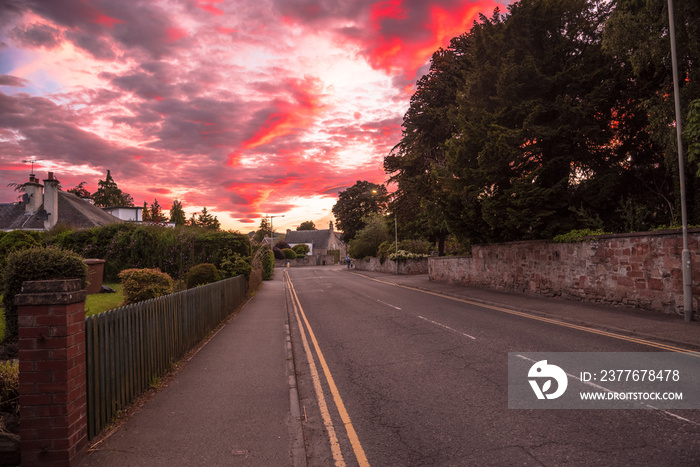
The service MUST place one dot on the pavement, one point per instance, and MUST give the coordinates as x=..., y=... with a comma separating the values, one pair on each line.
x=235, y=401
x=231, y=404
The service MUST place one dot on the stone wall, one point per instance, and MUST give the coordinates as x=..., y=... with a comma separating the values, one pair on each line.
x=408, y=267
x=642, y=270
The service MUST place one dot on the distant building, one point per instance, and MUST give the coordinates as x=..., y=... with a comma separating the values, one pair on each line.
x=320, y=242
x=126, y=213
x=44, y=206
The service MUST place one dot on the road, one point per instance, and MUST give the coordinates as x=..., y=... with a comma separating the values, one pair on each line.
x=407, y=378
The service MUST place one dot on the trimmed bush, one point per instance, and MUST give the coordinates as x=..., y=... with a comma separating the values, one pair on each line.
x=35, y=264
x=289, y=253
x=233, y=264
x=144, y=284
x=202, y=274
x=302, y=249
x=9, y=387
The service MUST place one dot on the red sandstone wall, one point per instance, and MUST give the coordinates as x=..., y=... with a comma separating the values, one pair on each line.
x=641, y=270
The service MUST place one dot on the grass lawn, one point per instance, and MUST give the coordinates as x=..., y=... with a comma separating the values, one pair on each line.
x=101, y=302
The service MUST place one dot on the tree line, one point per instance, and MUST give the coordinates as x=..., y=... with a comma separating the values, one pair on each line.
x=551, y=117
x=109, y=194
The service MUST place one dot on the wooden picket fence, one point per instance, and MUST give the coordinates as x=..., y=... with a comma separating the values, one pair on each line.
x=128, y=348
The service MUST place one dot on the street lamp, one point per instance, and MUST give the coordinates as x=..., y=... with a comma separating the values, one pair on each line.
x=272, y=230
x=685, y=255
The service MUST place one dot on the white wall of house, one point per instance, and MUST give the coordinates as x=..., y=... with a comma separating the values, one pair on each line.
x=133, y=214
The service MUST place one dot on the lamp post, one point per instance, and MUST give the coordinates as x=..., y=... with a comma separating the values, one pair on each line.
x=685, y=255
x=272, y=230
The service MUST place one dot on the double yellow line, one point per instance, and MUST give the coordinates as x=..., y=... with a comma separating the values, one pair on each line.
x=325, y=414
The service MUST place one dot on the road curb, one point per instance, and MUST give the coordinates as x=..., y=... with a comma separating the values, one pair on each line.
x=298, y=447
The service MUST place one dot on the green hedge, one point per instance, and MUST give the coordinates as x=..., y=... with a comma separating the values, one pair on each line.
x=172, y=250
x=35, y=264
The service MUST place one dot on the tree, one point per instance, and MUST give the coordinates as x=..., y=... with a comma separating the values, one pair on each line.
x=264, y=230
x=108, y=194
x=79, y=190
x=355, y=203
x=417, y=163
x=146, y=214
x=177, y=214
x=207, y=220
x=307, y=225
x=156, y=213
x=370, y=237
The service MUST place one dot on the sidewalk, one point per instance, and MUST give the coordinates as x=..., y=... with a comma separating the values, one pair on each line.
x=230, y=405
x=644, y=324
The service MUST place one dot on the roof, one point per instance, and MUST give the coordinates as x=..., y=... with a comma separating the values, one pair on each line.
x=318, y=238
x=72, y=211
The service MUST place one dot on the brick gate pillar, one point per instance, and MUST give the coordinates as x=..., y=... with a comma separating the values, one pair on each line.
x=53, y=417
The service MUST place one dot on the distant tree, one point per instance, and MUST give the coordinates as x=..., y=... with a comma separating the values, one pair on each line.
x=368, y=239
x=156, y=213
x=177, y=214
x=307, y=225
x=207, y=220
x=109, y=194
x=146, y=214
x=263, y=231
x=79, y=190
x=357, y=202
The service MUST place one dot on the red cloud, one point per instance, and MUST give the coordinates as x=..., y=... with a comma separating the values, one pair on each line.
x=286, y=117
x=107, y=21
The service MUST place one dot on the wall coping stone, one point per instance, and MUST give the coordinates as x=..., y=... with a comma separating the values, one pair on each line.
x=51, y=292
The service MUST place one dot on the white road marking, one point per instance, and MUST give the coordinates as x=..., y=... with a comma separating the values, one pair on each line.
x=447, y=327
x=387, y=304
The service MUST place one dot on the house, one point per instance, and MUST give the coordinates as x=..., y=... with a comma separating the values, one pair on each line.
x=126, y=213
x=320, y=242
x=44, y=206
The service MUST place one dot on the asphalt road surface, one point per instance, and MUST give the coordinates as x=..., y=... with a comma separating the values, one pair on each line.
x=407, y=378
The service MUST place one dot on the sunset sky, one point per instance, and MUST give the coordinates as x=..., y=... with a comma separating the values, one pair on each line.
x=246, y=107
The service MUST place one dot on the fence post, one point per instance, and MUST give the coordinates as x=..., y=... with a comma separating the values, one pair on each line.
x=53, y=409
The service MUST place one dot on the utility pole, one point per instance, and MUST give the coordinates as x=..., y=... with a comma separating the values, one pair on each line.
x=272, y=230
x=685, y=255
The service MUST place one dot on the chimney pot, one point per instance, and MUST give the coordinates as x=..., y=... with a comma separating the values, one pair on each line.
x=50, y=175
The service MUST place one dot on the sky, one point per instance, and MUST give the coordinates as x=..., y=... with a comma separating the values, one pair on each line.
x=250, y=108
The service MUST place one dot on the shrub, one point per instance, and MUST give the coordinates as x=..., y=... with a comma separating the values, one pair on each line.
x=575, y=236
x=421, y=247
x=202, y=274
x=268, y=264
x=301, y=249
x=289, y=253
x=144, y=284
x=277, y=253
x=36, y=264
x=15, y=240
x=403, y=255
x=233, y=264
x=282, y=245
x=385, y=249
x=9, y=387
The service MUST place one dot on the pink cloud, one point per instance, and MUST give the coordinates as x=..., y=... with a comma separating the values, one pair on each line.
x=237, y=112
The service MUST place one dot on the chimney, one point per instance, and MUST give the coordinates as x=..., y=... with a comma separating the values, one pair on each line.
x=33, y=190
x=289, y=231
x=51, y=201
x=330, y=226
